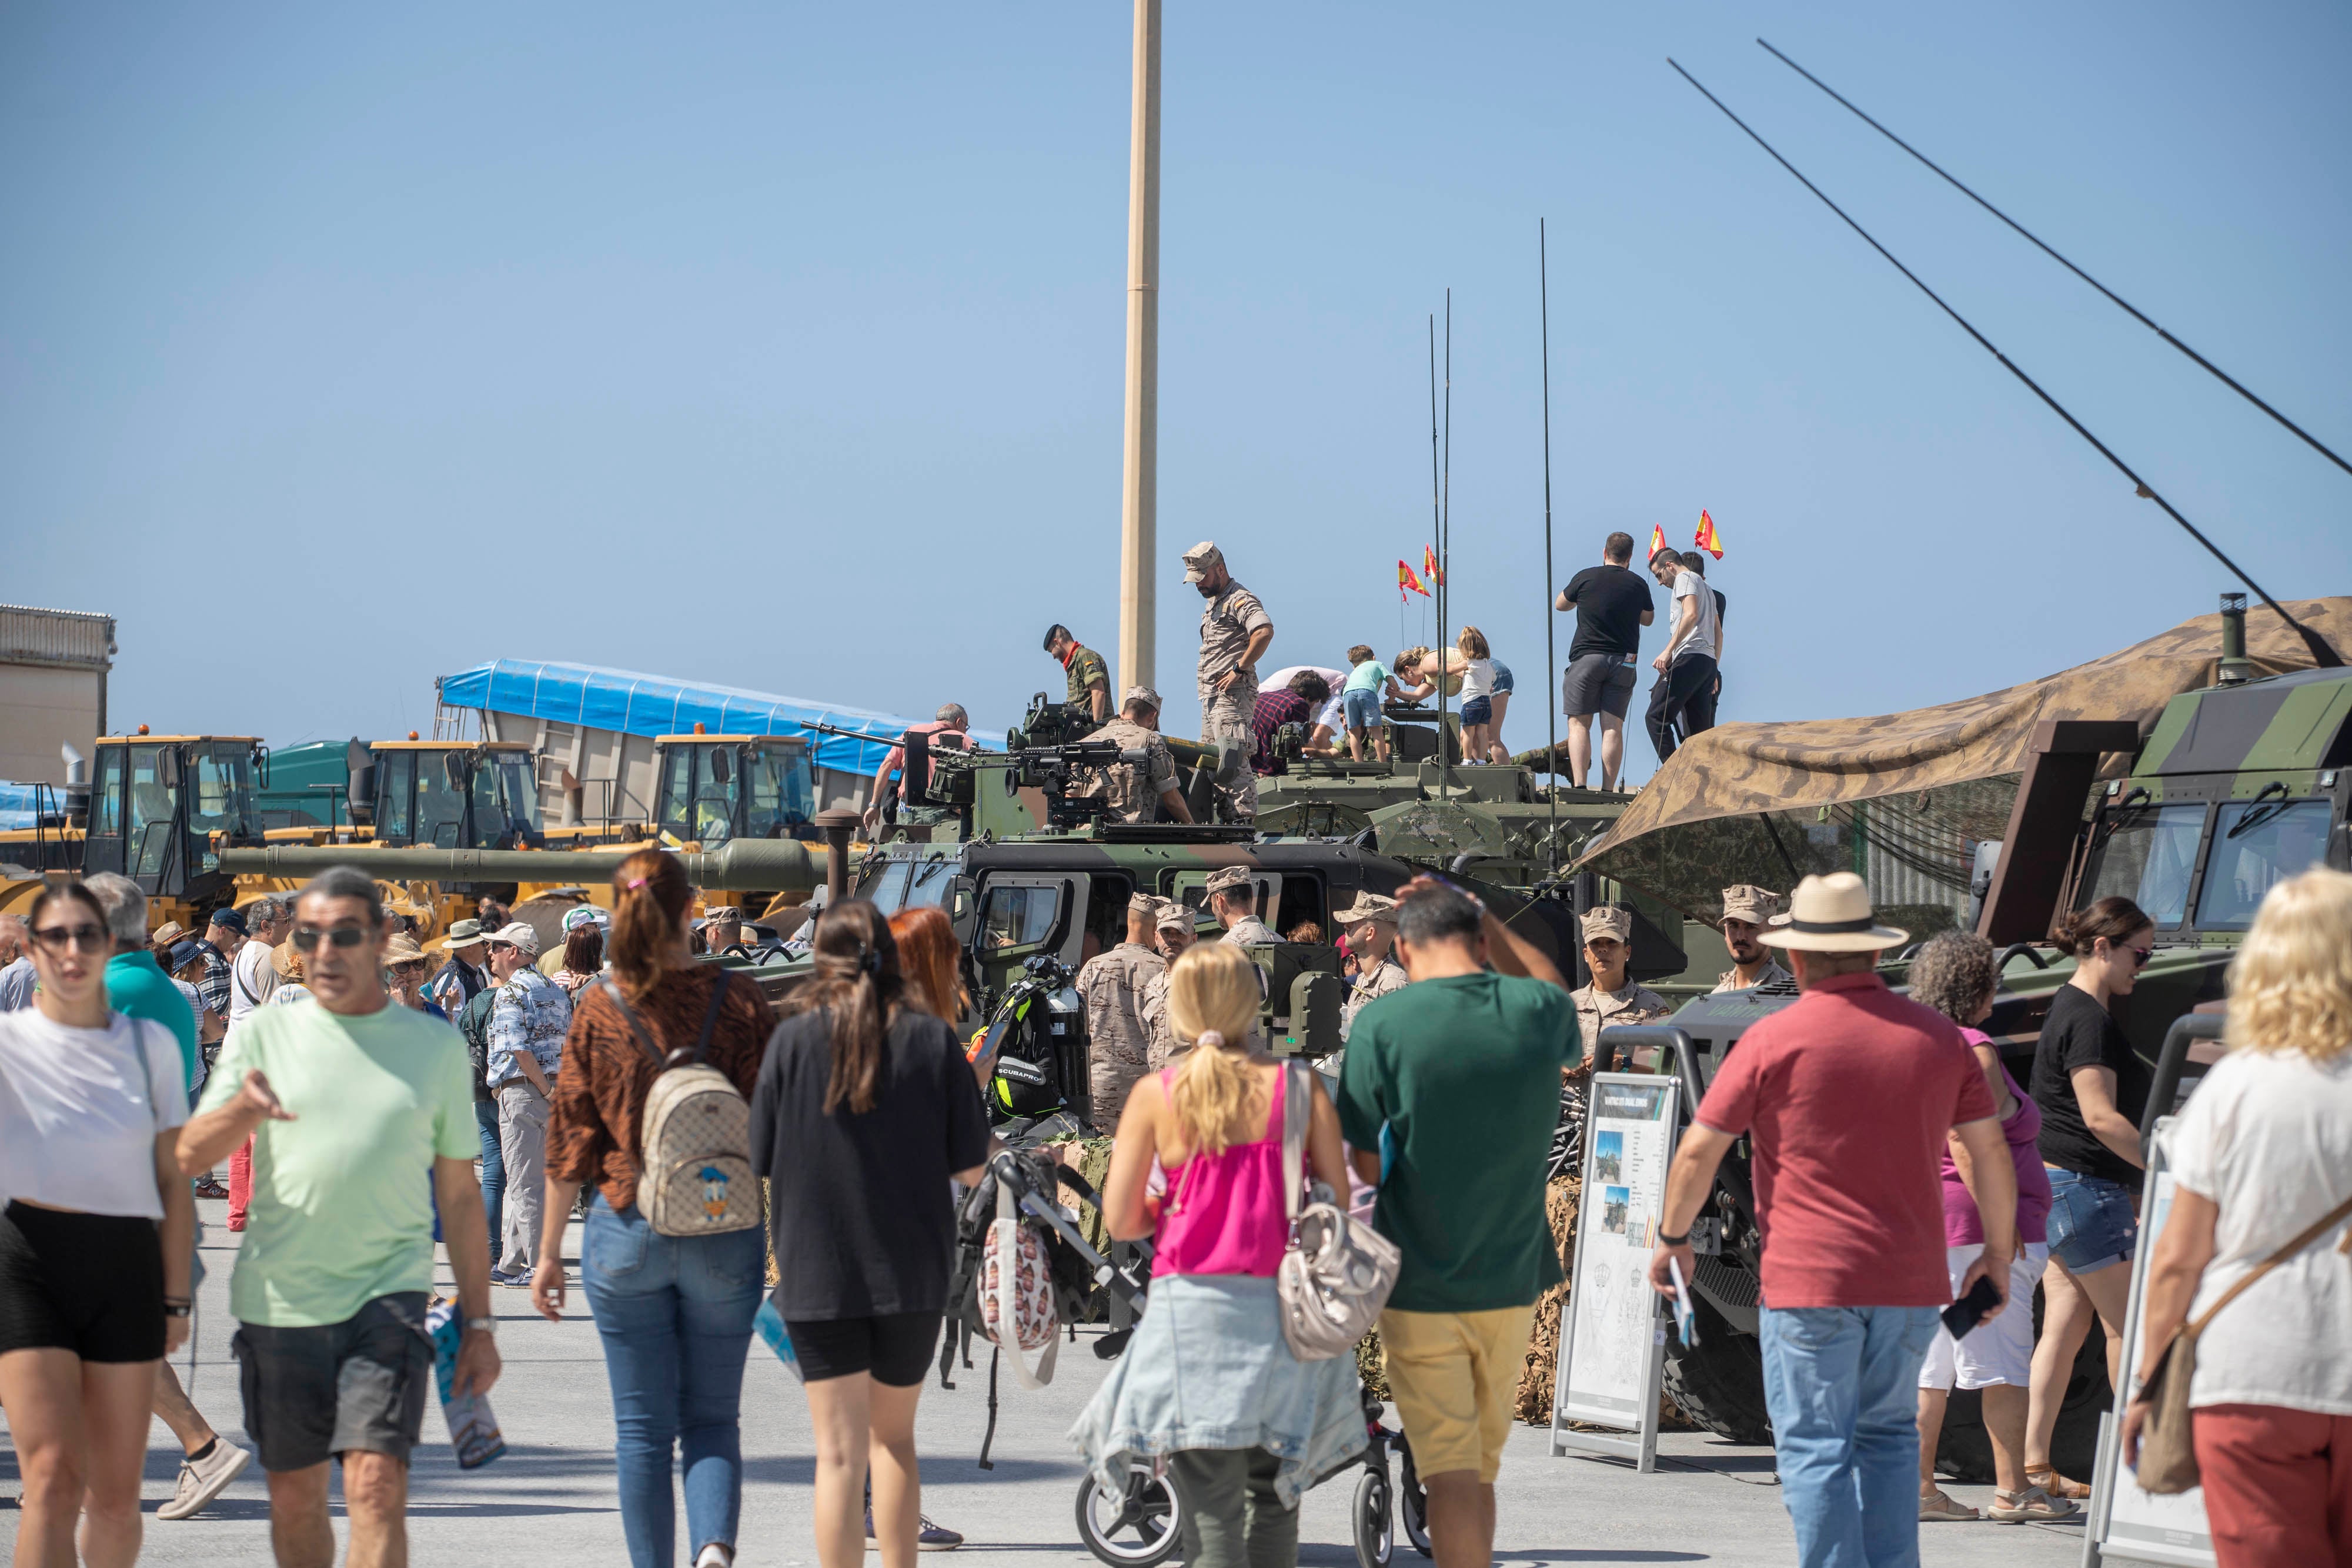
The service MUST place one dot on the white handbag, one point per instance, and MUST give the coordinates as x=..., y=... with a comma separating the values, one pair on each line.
x=1336, y=1274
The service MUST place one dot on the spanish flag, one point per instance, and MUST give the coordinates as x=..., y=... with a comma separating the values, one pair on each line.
x=1408, y=583
x=1429, y=565
x=1708, y=539
x=1657, y=542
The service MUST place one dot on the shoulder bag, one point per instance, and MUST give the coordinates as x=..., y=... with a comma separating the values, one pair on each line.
x=1335, y=1274
x=2167, y=1459
x=694, y=1165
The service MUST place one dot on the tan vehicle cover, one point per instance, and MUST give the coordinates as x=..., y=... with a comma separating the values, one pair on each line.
x=1767, y=802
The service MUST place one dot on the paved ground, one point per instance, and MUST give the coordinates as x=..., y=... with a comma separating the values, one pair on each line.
x=550, y=1499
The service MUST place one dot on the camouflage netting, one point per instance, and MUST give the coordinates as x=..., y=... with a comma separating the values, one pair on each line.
x=1543, y=1341
x=1775, y=800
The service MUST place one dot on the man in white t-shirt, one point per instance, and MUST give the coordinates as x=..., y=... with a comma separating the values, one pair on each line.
x=252, y=976
x=1687, y=668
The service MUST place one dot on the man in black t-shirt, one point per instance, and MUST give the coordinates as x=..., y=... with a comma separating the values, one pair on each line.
x=1612, y=604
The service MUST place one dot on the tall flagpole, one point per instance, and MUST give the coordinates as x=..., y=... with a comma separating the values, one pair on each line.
x=1139, y=508
x=1551, y=661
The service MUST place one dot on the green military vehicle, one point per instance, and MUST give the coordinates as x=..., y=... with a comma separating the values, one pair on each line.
x=2238, y=786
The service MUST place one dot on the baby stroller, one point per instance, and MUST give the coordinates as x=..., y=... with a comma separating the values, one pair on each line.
x=1143, y=1525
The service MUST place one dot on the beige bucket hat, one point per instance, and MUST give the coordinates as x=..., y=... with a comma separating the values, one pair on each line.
x=1831, y=915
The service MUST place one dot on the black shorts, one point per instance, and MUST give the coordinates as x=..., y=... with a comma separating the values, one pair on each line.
x=895, y=1348
x=89, y=1283
x=1597, y=683
x=314, y=1392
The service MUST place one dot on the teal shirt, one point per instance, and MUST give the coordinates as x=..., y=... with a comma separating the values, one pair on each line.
x=1367, y=676
x=1464, y=1075
x=337, y=1216
x=136, y=984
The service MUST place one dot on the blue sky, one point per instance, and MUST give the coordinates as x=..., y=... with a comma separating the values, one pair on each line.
x=782, y=347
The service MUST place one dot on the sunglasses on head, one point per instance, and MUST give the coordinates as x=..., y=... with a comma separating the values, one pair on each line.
x=306, y=938
x=58, y=938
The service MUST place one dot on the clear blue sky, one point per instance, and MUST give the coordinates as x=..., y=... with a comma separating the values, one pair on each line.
x=343, y=347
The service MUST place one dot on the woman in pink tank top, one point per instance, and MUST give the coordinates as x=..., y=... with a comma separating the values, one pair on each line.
x=1208, y=1383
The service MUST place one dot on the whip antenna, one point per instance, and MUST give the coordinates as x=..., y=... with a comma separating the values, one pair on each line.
x=2321, y=655
x=1551, y=709
x=2126, y=305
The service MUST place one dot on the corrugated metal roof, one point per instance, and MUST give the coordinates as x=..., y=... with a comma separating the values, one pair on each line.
x=69, y=637
x=637, y=704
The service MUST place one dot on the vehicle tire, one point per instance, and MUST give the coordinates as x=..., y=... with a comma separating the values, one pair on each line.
x=1375, y=1517
x=1413, y=1502
x=1136, y=1530
x=1720, y=1382
x=1963, y=1452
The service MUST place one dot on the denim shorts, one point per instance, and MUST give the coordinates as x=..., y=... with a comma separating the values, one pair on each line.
x=1479, y=710
x=2091, y=1224
x=1362, y=707
x=1502, y=678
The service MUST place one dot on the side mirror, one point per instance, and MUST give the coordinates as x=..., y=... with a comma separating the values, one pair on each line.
x=962, y=906
x=453, y=767
x=721, y=768
x=167, y=768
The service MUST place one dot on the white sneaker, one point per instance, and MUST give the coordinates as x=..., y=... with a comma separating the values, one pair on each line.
x=715, y=1555
x=200, y=1482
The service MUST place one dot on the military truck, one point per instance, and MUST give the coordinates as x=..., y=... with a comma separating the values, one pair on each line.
x=2238, y=786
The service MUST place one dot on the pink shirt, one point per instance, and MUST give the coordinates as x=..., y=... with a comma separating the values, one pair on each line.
x=1224, y=1213
x=1962, y=1226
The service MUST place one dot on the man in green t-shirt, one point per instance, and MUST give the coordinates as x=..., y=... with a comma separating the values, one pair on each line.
x=346, y=1097
x=1453, y=1083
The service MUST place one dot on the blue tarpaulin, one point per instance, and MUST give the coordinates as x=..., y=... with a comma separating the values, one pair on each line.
x=651, y=705
x=16, y=805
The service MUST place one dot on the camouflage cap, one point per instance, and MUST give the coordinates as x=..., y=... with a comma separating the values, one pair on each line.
x=1143, y=695
x=1174, y=916
x=1199, y=558
x=1145, y=904
x=1368, y=906
x=723, y=915
x=1610, y=921
x=1231, y=876
x=1756, y=905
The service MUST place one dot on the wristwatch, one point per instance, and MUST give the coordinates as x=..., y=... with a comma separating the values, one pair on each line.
x=488, y=1325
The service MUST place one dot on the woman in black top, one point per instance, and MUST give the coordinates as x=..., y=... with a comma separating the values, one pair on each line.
x=864, y=1111
x=2091, y=1090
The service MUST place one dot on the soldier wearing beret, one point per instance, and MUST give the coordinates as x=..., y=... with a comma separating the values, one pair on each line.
x=1235, y=633
x=1138, y=792
x=1233, y=899
x=1369, y=925
x=1747, y=911
x=1118, y=1043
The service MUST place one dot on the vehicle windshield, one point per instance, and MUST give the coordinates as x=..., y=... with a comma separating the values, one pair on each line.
x=909, y=883
x=780, y=795
x=395, y=782
x=2148, y=857
x=440, y=803
x=151, y=802
x=1017, y=917
x=715, y=783
x=506, y=800
x=2257, y=845
x=220, y=800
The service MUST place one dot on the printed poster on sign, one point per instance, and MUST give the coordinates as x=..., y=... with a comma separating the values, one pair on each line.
x=1609, y=1376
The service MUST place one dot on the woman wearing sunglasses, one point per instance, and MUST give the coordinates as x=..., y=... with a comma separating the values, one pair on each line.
x=91, y=1296
x=2090, y=1089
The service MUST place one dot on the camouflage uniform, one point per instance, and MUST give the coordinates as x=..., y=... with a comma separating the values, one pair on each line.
x=1386, y=976
x=1133, y=792
x=1151, y=1011
x=1118, y=1042
x=1084, y=669
x=1249, y=931
x=1597, y=1009
x=1772, y=974
x=1225, y=628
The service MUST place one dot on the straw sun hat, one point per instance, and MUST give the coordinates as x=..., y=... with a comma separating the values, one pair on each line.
x=1831, y=915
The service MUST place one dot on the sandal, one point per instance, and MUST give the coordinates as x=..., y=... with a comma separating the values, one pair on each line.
x=1936, y=1506
x=2047, y=1478
x=2034, y=1503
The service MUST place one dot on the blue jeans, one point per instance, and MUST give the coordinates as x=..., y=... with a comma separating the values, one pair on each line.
x=674, y=1315
x=494, y=1168
x=1842, y=1385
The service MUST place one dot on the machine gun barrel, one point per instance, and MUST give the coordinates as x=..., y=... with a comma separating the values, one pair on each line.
x=783, y=864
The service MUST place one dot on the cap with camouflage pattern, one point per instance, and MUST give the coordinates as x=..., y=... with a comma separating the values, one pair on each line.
x=1611, y=921
x=1199, y=558
x=1143, y=695
x=1756, y=905
x=1231, y=876
x=1366, y=906
x=1174, y=916
x=1145, y=904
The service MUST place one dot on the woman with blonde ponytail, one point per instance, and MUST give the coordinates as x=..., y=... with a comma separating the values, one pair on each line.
x=1208, y=1384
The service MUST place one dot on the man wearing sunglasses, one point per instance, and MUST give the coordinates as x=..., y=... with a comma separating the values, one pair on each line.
x=344, y=1100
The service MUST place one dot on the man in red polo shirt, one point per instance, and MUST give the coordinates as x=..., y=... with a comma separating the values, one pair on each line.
x=1846, y=1096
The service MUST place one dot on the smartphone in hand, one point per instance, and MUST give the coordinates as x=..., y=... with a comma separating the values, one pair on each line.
x=1965, y=1314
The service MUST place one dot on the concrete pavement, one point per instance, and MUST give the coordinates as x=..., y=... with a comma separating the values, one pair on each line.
x=550, y=1499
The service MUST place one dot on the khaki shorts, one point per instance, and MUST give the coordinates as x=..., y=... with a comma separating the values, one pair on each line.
x=1455, y=1377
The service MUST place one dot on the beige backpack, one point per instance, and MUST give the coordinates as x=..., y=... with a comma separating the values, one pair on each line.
x=695, y=1176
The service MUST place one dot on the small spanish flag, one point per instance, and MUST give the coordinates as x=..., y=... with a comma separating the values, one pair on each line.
x=1408, y=583
x=1708, y=539
x=1429, y=565
x=1657, y=540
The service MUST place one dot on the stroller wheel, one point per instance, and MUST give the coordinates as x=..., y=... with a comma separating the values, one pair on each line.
x=1375, y=1538
x=1134, y=1530
x=1414, y=1502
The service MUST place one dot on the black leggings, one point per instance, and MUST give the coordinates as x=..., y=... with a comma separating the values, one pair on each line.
x=1676, y=698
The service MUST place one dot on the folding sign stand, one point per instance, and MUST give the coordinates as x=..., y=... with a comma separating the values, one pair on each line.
x=2126, y=1524
x=1612, y=1332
